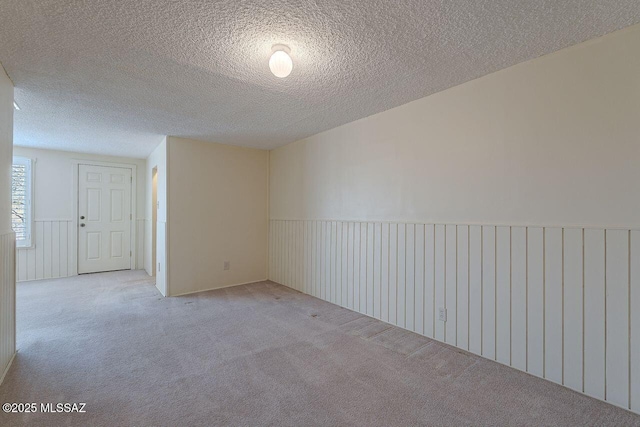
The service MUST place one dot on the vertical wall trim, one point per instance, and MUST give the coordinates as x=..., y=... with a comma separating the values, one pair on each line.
x=495, y=293
x=481, y=290
x=510, y=295
x=630, y=368
x=583, y=308
x=605, y=314
x=544, y=298
x=327, y=259
x=7, y=300
x=526, y=298
x=562, y=308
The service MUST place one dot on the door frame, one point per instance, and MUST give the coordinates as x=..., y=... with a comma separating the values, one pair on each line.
x=134, y=214
x=154, y=221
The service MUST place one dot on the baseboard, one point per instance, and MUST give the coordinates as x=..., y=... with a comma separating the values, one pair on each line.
x=221, y=287
x=47, y=278
x=4, y=374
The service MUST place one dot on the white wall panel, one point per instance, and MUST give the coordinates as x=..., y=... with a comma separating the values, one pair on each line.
x=409, y=295
x=161, y=266
x=573, y=308
x=634, y=343
x=39, y=250
x=475, y=289
x=7, y=300
x=440, y=279
x=419, y=271
x=553, y=323
x=535, y=301
x=300, y=255
x=594, y=305
x=282, y=251
x=369, y=288
x=364, y=237
x=450, y=290
x=559, y=303
x=317, y=257
x=462, y=280
x=272, y=248
x=519, y=298
x=357, y=257
x=429, y=279
x=140, y=237
x=290, y=242
x=384, y=273
x=325, y=262
x=617, y=317
x=503, y=295
x=489, y=292
x=55, y=249
x=377, y=270
x=393, y=273
x=339, y=269
x=49, y=258
x=350, y=265
x=333, y=255
x=401, y=271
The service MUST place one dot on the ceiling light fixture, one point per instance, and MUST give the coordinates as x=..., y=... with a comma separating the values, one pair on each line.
x=280, y=62
x=16, y=106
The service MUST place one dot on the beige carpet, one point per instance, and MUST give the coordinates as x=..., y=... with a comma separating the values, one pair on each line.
x=259, y=354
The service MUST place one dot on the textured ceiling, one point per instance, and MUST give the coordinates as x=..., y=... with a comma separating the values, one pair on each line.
x=112, y=77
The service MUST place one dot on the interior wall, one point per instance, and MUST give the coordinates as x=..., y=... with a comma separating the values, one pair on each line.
x=512, y=199
x=553, y=141
x=218, y=213
x=157, y=163
x=54, y=252
x=7, y=236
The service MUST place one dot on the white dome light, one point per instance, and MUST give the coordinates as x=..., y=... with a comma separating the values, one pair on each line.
x=280, y=62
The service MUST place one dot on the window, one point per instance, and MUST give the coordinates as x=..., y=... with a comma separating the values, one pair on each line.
x=21, y=208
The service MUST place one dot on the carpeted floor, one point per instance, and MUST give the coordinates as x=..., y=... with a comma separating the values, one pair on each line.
x=258, y=354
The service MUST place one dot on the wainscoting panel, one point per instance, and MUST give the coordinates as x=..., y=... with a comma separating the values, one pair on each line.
x=54, y=252
x=560, y=303
x=7, y=300
x=52, y=255
x=140, y=230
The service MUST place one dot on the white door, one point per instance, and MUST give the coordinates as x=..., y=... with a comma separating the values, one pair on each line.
x=104, y=219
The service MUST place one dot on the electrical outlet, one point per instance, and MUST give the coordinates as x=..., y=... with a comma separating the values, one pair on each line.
x=442, y=314
x=227, y=265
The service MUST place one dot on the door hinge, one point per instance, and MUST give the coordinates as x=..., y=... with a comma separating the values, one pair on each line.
x=130, y=216
x=130, y=254
x=131, y=179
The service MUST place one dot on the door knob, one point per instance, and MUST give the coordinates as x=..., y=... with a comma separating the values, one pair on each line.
x=81, y=225
x=82, y=217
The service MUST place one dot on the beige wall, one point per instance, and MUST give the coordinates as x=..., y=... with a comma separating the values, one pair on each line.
x=553, y=141
x=218, y=212
x=7, y=237
x=468, y=201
